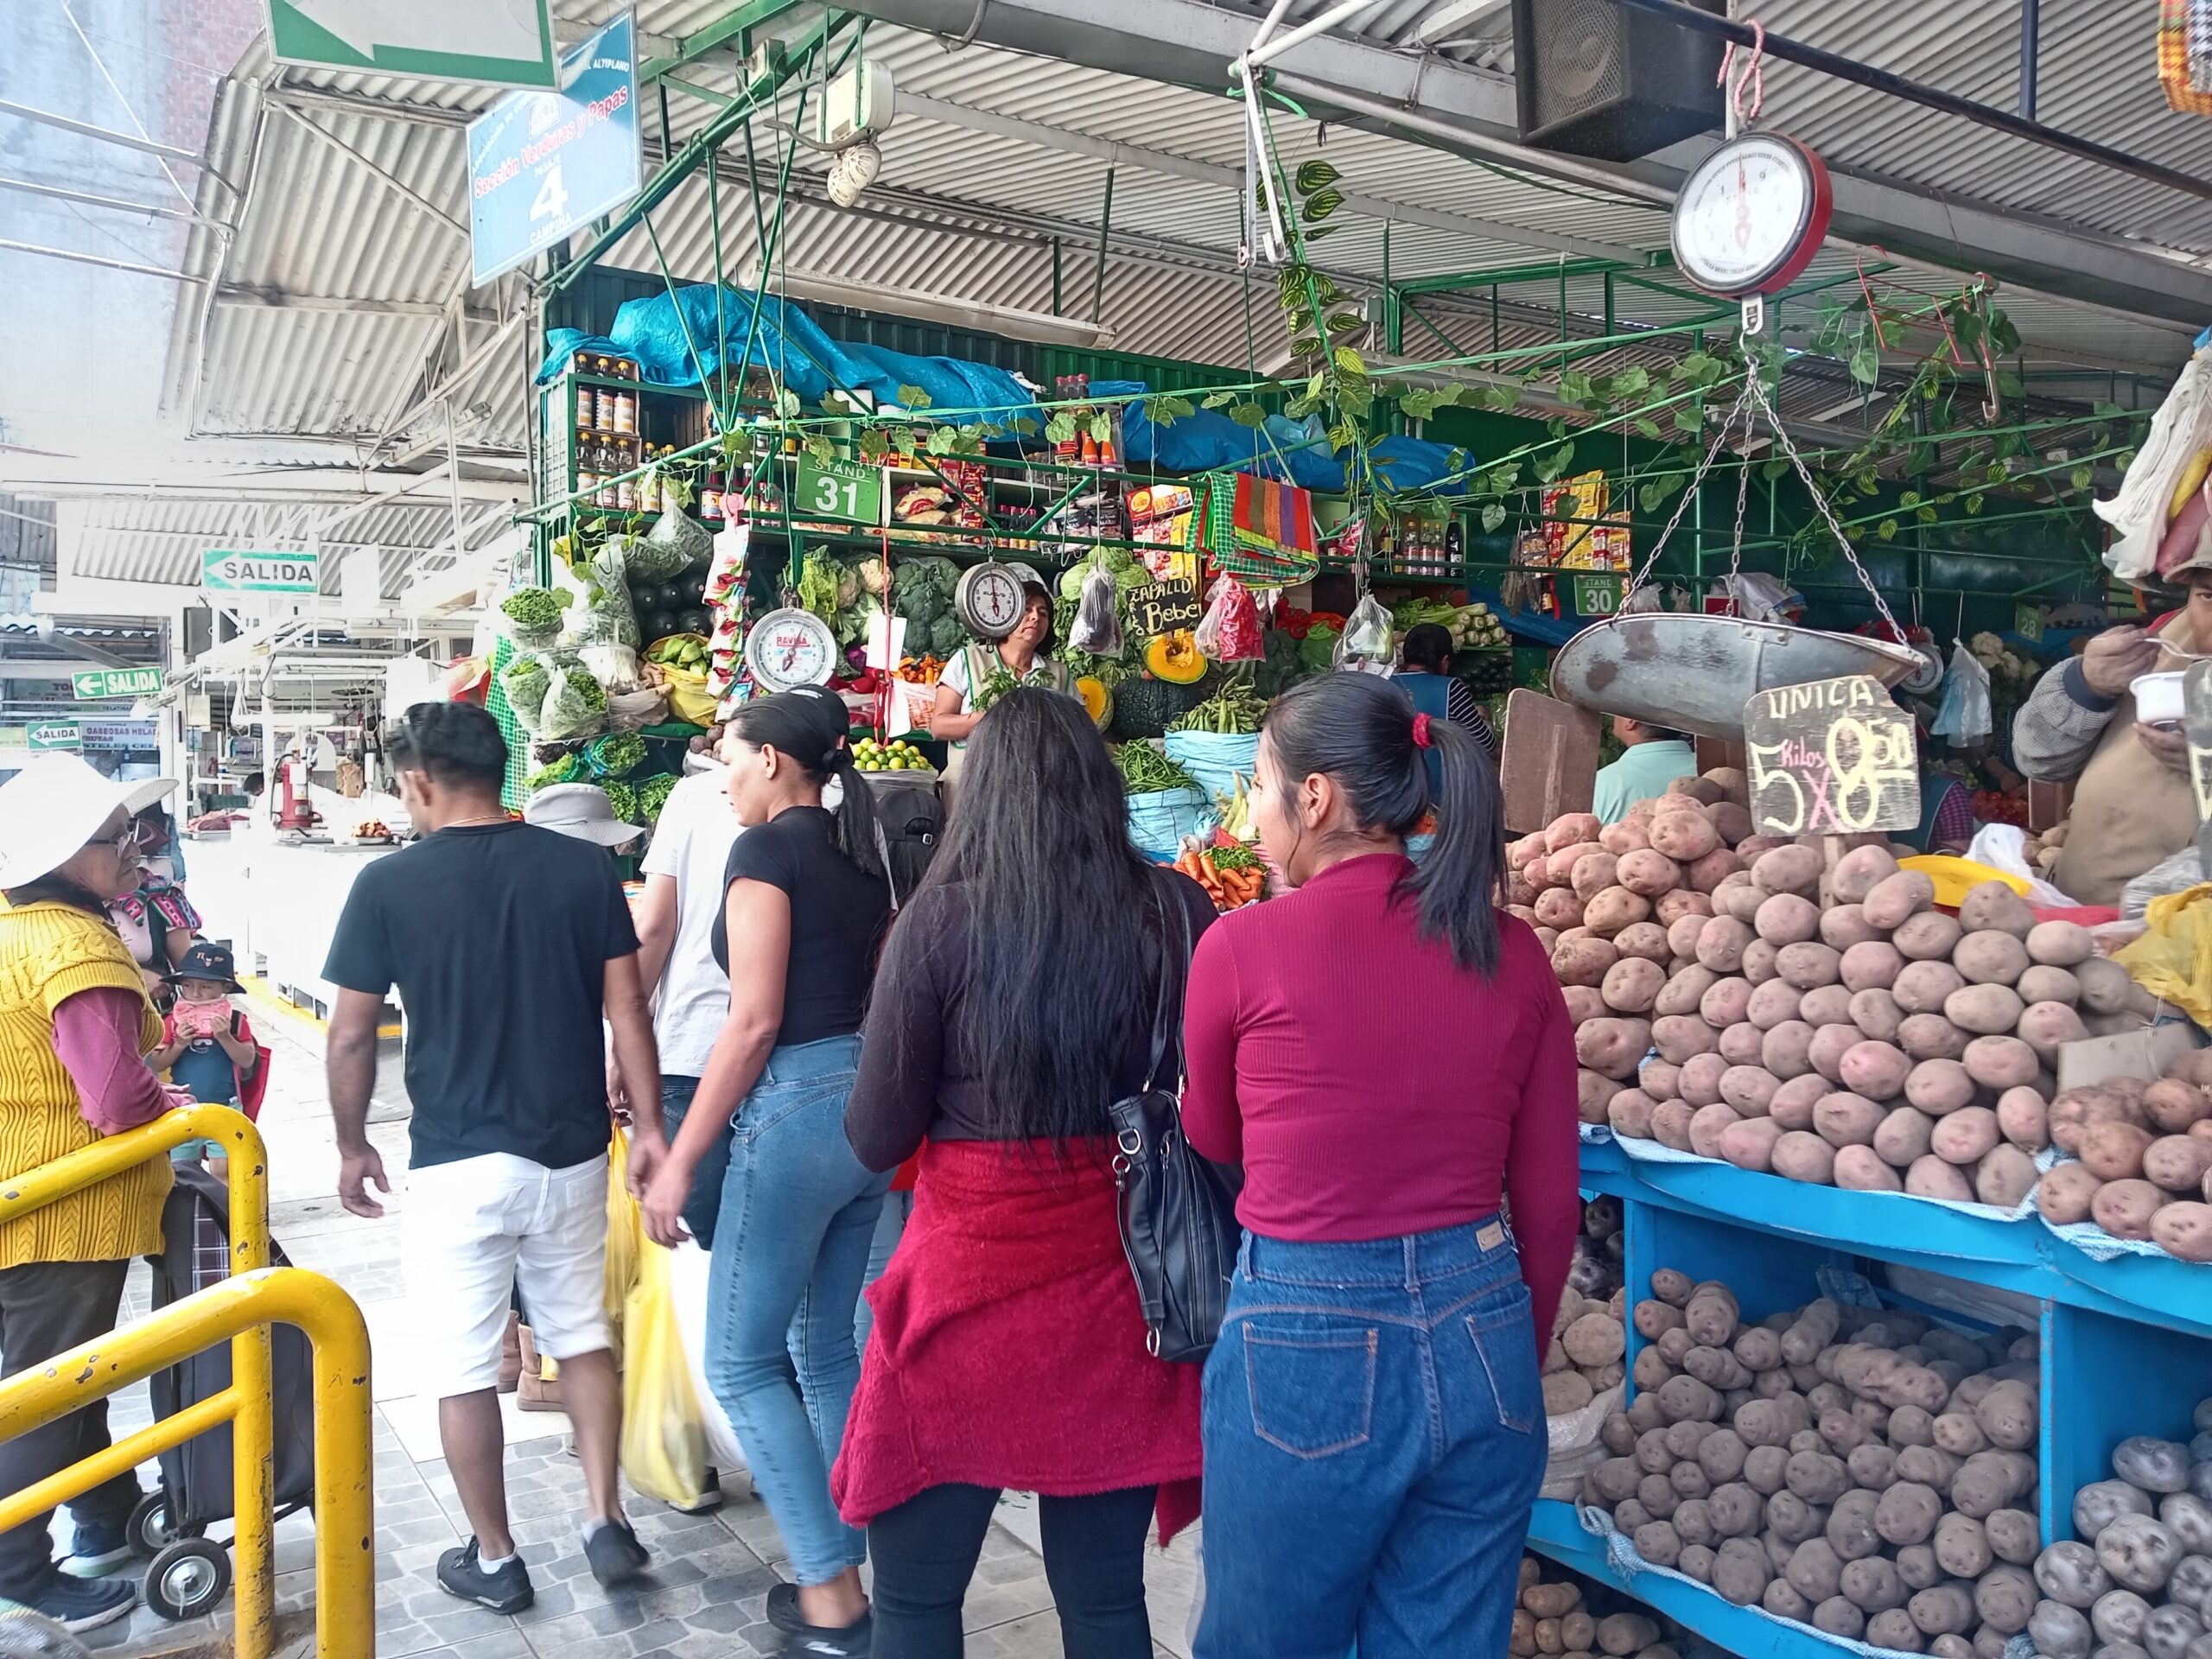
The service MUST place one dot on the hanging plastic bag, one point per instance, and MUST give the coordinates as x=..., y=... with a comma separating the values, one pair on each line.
x=664, y=1440
x=1229, y=632
x=624, y=1233
x=672, y=546
x=690, y=1269
x=575, y=705
x=1365, y=646
x=2173, y=960
x=1965, y=716
x=531, y=617
x=524, y=682
x=1097, y=629
x=605, y=617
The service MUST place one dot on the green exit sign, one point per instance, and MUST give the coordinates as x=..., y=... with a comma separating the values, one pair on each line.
x=96, y=684
x=56, y=734
x=838, y=489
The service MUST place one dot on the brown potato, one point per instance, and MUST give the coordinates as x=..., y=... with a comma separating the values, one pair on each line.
x=1748, y=1090
x=2045, y=984
x=1904, y=1134
x=1684, y=988
x=1569, y=828
x=1592, y=1090
x=1966, y=1136
x=1706, y=1126
x=1933, y=1178
x=1858, y=872
x=1698, y=1079
x=1985, y=1010
x=1583, y=961
x=1629, y=1113
x=1725, y=1002
x=2001, y=1062
x=1931, y=1037
x=2004, y=1177
x=1872, y=966
x=1737, y=895
x=2024, y=1119
x=2105, y=985
x=1684, y=836
x=1876, y=1014
x=1629, y=835
x=1559, y=907
x=1939, y=1086
x=1591, y=874
x=1931, y=936
x=2114, y=1152
x=2173, y=1104
x=1924, y=987
x=1731, y=819
x=1991, y=957
x=1862, y=1169
x=1632, y=984
x=2060, y=944
x=2065, y=1194
x=1706, y=874
x=2044, y=1026
x=1892, y=900
x=1670, y=1124
x=1758, y=962
x=1678, y=1037
x=1772, y=1004
x=1749, y=1143
x=1845, y=925
x=1720, y=944
x=1786, y=1048
x=2183, y=1229
x=2124, y=1208
x=1847, y=1120
x=1808, y=964
x=1993, y=906
x=1743, y=1043
x=1644, y=939
x=1787, y=869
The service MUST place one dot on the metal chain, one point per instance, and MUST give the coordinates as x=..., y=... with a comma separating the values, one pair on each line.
x=1743, y=500
x=1820, y=506
x=1704, y=466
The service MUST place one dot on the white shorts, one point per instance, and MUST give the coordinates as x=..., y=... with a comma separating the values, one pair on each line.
x=471, y=1231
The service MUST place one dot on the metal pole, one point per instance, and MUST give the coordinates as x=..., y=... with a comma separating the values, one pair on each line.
x=2031, y=18
x=722, y=321
x=1105, y=222
x=1056, y=276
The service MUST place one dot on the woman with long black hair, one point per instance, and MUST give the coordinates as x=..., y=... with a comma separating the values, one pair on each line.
x=1015, y=1004
x=805, y=903
x=1389, y=1057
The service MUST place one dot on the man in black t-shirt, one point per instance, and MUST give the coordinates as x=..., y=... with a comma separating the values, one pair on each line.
x=507, y=943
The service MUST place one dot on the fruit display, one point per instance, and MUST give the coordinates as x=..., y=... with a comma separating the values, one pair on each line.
x=898, y=755
x=684, y=650
x=2136, y=1156
x=2136, y=1577
x=1825, y=1026
x=1864, y=1469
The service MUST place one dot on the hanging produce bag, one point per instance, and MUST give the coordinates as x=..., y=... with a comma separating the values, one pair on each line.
x=2152, y=495
x=524, y=682
x=575, y=705
x=1365, y=645
x=1965, y=716
x=1229, y=632
x=672, y=546
x=532, y=617
x=605, y=617
x=1097, y=627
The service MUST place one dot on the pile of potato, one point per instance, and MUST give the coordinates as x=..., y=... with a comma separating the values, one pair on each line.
x=1862, y=1470
x=2139, y=1583
x=2142, y=1156
x=1553, y=1616
x=1589, y=1339
x=2043, y=851
x=1825, y=1024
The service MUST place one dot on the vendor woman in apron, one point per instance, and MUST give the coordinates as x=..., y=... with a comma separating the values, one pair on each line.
x=979, y=675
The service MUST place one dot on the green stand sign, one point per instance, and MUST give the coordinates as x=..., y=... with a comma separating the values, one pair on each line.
x=96, y=684
x=1597, y=595
x=488, y=42
x=57, y=734
x=223, y=570
x=838, y=489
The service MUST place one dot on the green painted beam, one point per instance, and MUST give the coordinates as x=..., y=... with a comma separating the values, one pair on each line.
x=1546, y=271
x=732, y=25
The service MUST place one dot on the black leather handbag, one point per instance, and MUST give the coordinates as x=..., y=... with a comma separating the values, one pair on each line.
x=1177, y=1209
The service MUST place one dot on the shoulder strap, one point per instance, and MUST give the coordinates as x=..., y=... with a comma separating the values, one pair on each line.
x=1174, y=959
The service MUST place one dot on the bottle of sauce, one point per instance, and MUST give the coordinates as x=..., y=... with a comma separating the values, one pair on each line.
x=710, y=499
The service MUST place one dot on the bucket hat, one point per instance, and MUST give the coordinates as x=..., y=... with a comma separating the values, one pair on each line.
x=53, y=806
x=203, y=959
x=581, y=811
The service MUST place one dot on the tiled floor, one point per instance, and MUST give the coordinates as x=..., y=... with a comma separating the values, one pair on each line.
x=711, y=1573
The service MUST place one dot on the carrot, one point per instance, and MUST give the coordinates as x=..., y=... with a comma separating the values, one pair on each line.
x=1191, y=865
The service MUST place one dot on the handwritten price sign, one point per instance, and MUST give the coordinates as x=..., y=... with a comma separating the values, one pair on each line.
x=1831, y=757
x=2196, y=726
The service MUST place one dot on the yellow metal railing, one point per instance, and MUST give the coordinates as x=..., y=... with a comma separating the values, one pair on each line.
x=240, y=1309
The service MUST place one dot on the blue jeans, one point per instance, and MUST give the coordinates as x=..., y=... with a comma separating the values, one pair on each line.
x=1374, y=1440
x=705, y=1204
x=791, y=1246
x=890, y=1228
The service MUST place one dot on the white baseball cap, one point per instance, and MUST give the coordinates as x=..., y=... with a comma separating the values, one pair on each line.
x=54, y=806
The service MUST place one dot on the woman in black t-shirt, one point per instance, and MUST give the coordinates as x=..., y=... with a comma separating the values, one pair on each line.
x=805, y=906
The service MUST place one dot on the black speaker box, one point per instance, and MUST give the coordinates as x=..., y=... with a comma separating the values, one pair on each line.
x=1601, y=79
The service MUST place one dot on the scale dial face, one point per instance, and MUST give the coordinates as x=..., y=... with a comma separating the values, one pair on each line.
x=1752, y=215
x=791, y=648
x=995, y=596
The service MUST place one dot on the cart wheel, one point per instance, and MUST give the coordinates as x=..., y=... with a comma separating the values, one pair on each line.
x=188, y=1578
x=149, y=1527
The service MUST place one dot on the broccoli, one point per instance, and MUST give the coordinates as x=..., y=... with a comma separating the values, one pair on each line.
x=946, y=635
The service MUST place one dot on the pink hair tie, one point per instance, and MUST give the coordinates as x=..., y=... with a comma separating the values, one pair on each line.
x=1422, y=740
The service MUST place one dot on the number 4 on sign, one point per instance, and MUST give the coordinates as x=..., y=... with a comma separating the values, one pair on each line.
x=552, y=200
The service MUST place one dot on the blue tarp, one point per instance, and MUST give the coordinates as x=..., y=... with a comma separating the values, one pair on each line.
x=1208, y=441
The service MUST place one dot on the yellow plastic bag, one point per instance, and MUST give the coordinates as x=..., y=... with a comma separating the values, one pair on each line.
x=664, y=1439
x=2173, y=960
x=626, y=1238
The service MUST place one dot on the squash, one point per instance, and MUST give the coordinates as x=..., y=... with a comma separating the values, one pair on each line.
x=1174, y=658
x=1098, y=701
x=2187, y=481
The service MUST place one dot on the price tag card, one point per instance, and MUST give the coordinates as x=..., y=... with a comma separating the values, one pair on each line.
x=887, y=641
x=1160, y=607
x=1831, y=757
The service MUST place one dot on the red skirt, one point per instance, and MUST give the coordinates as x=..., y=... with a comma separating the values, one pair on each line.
x=1008, y=1350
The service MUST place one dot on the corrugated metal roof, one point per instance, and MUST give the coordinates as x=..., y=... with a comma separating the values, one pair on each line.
x=160, y=539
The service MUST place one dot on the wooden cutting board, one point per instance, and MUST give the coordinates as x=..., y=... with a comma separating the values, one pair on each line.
x=1549, y=764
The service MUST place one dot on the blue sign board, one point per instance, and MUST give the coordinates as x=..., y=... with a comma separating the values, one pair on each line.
x=543, y=165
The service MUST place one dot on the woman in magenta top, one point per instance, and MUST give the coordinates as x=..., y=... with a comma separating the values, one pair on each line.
x=1388, y=1056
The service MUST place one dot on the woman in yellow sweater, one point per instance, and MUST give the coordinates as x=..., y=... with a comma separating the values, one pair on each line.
x=74, y=1025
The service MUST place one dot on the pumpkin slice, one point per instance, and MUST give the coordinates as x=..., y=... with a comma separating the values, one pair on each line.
x=1175, y=658
x=1097, y=700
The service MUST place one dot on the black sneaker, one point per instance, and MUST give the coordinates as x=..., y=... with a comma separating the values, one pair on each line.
x=460, y=1573
x=96, y=1551
x=852, y=1642
x=710, y=1495
x=82, y=1604
x=615, y=1553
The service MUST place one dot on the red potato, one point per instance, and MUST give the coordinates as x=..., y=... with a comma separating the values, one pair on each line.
x=2114, y=1152
x=1750, y=1142
x=1862, y=1169
x=2183, y=1229
x=1932, y=1178
x=1559, y=907
x=1904, y=1134
x=2177, y=1163
x=1876, y=1014
x=1627, y=836
x=2042, y=984
x=1793, y=1102
x=1787, y=869
x=1593, y=1090
x=1984, y=1010
x=1808, y=965
x=1699, y=1079
x=1993, y=906
x=1707, y=872
x=1858, y=872
x=2065, y=1193
x=1647, y=872
x=1584, y=962
x=1759, y=959
x=1706, y=1126
x=1939, y=1087
x=1741, y=898
x=1924, y=987
x=2173, y=1104
x=1614, y=909
x=1892, y=900
x=1966, y=1136
x=1873, y=965
x=2195, y=1067
x=1845, y=925
x=2060, y=944
x=1991, y=957
x=1771, y=1003
x=1720, y=944
x=1787, y=919
x=1614, y=1047
x=2077, y=1109
x=1632, y=984
x=2004, y=1177
x=1570, y=935
x=1644, y=939
x=1671, y=907
x=1629, y=1113
x=1583, y=1002
x=1521, y=892
x=1684, y=989
x=2024, y=1118
x=1726, y=1004
x=1682, y=934
x=1829, y=1044
x=1801, y=1156
x=1825, y=1004
x=1750, y=848
x=1518, y=853
x=2106, y=986
x=1592, y=874
x=1930, y=935
x=1684, y=836
x=2045, y=1025
x=1684, y=794
x=2001, y=1062
x=1670, y=1124
x=1659, y=1079
x=1748, y=1090
x=1875, y=1070
x=2123, y=1209
x=1743, y=1043
x=1548, y=938
x=1931, y=1037
x=1847, y=1120
x=1522, y=913
x=1569, y=828
x=1732, y=818
x=1561, y=866
x=1680, y=1037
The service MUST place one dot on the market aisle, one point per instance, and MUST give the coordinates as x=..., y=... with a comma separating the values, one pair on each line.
x=707, y=1593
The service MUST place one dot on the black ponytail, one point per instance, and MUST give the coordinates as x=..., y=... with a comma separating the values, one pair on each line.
x=799, y=726
x=1358, y=731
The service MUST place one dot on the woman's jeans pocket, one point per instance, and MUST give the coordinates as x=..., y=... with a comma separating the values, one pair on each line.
x=1501, y=1327
x=1312, y=1387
